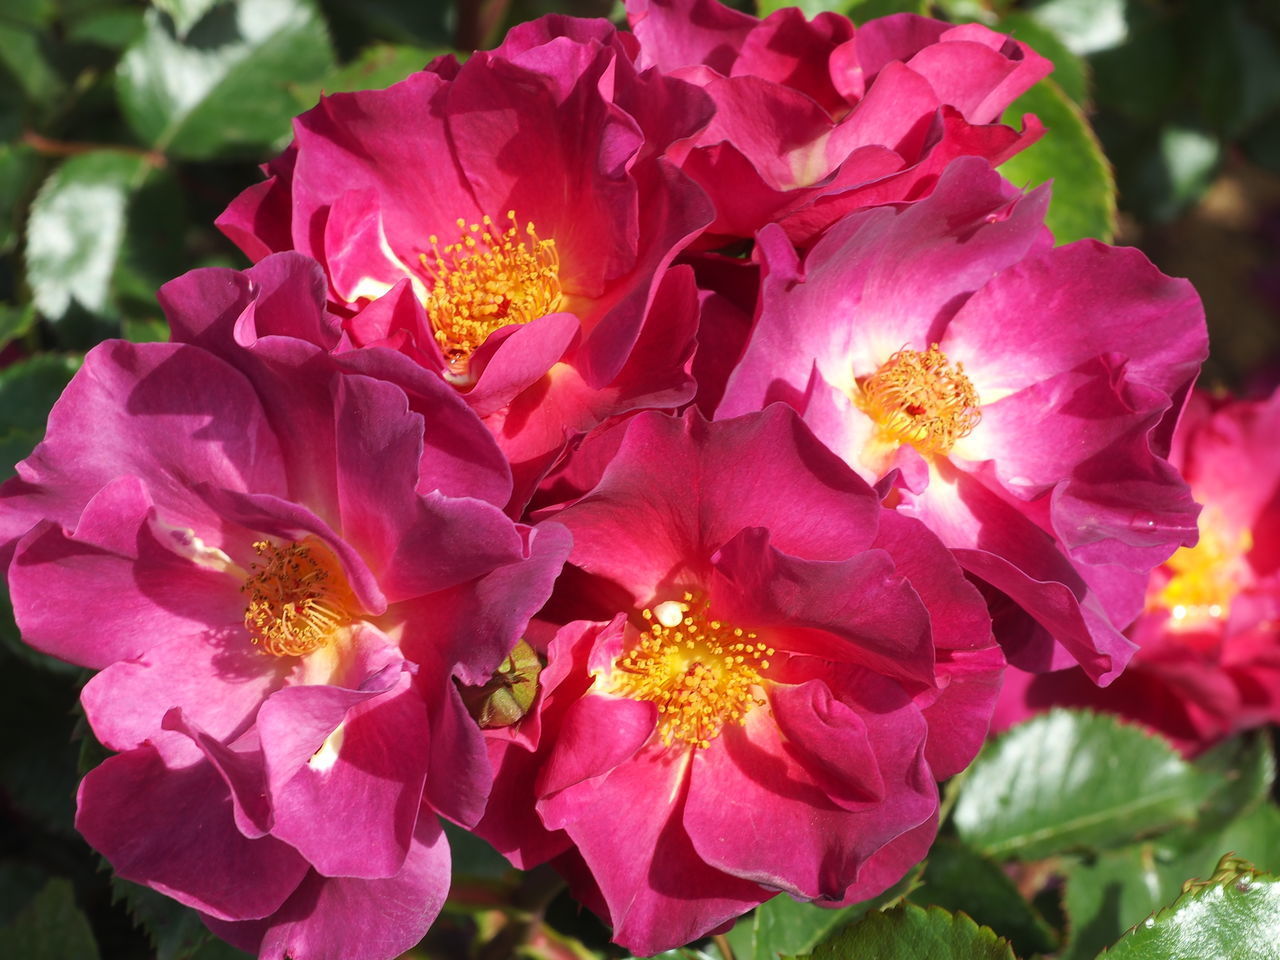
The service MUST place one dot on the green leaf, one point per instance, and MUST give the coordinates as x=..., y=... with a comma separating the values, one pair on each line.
x=76, y=230
x=418, y=24
x=1234, y=916
x=152, y=252
x=810, y=7
x=38, y=769
x=786, y=927
x=215, y=949
x=1238, y=72
x=1246, y=768
x=22, y=56
x=15, y=322
x=968, y=11
x=374, y=68
x=226, y=89
x=18, y=170
x=1070, y=71
x=112, y=27
x=28, y=13
x=1108, y=893
x=859, y=10
x=1192, y=851
x=864, y=10
x=473, y=857
x=1085, y=26
x=1084, y=191
x=51, y=927
x=185, y=14
x=28, y=389
x=17, y=880
x=910, y=933
x=175, y=931
x=958, y=878
x=148, y=330
x=1072, y=779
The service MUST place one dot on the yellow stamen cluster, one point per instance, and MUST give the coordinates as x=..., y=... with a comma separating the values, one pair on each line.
x=1206, y=577
x=488, y=279
x=298, y=598
x=920, y=398
x=701, y=673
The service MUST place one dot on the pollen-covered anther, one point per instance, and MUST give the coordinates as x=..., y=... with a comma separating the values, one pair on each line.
x=298, y=598
x=1205, y=578
x=701, y=673
x=920, y=398
x=488, y=279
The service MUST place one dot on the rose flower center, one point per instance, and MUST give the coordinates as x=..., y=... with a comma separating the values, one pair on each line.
x=702, y=674
x=920, y=398
x=1206, y=577
x=298, y=598
x=487, y=280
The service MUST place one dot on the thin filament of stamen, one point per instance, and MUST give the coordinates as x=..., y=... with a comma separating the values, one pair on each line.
x=488, y=279
x=298, y=599
x=701, y=673
x=920, y=398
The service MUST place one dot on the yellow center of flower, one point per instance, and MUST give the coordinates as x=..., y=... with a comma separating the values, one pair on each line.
x=920, y=398
x=488, y=279
x=1206, y=577
x=298, y=598
x=701, y=673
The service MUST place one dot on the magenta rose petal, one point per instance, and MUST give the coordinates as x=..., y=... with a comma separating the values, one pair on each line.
x=1047, y=477
x=59, y=582
x=240, y=768
x=657, y=894
x=352, y=919
x=531, y=350
x=534, y=255
x=139, y=812
x=818, y=119
x=817, y=856
x=764, y=731
x=600, y=733
x=218, y=680
x=262, y=581
x=458, y=774
x=214, y=428
x=861, y=601
x=351, y=806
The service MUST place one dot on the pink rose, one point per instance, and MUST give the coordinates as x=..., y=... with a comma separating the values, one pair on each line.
x=1015, y=397
x=755, y=674
x=816, y=119
x=1208, y=663
x=509, y=224
x=278, y=569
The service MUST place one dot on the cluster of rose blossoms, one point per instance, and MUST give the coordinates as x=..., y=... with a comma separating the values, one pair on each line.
x=1208, y=663
x=709, y=366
